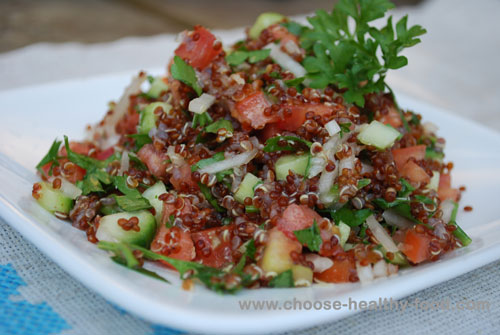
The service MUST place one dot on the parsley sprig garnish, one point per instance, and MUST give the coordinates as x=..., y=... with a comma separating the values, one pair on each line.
x=355, y=59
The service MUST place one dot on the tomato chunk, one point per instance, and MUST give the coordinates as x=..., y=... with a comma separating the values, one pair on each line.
x=181, y=178
x=392, y=118
x=415, y=173
x=339, y=272
x=445, y=191
x=297, y=217
x=213, y=246
x=402, y=155
x=298, y=115
x=154, y=160
x=250, y=111
x=77, y=173
x=416, y=246
x=173, y=242
x=105, y=154
x=199, y=48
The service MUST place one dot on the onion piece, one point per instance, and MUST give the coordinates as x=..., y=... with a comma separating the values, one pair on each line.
x=317, y=165
x=447, y=207
x=229, y=163
x=365, y=273
x=332, y=127
x=124, y=163
x=380, y=269
x=320, y=263
x=346, y=163
x=381, y=235
x=176, y=159
x=285, y=61
x=394, y=219
x=201, y=104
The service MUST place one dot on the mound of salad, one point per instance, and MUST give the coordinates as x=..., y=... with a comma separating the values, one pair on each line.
x=281, y=161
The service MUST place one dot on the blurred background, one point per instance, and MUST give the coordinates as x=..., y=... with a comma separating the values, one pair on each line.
x=455, y=67
x=24, y=22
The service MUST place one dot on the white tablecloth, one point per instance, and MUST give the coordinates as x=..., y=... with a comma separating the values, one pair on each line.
x=455, y=67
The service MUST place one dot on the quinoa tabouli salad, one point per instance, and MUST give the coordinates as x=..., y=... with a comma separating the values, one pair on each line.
x=280, y=161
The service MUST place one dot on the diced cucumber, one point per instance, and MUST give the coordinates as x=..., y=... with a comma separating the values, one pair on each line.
x=110, y=209
x=110, y=230
x=378, y=135
x=298, y=164
x=152, y=194
x=148, y=116
x=302, y=275
x=263, y=21
x=157, y=87
x=434, y=182
x=398, y=259
x=245, y=190
x=276, y=258
x=345, y=230
x=53, y=200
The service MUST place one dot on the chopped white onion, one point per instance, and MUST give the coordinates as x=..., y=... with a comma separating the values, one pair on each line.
x=332, y=127
x=365, y=273
x=292, y=48
x=320, y=263
x=285, y=61
x=381, y=235
x=366, y=168
x=394, y=219
x=230, y=163
x=447, y=207
x=380, y=269
x=346, y=163
x=201, y=104
x=325, y=185
x=176, y=159
x=430, y=128
x=124, y=163
x=392, y=269
x=317, y=165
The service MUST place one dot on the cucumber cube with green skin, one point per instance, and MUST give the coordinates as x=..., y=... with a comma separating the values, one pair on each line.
x=302, y=275
x=53, y=200
x=378, y=135
x=148, y=116
x=152, y=194
x=157, y=87
x=298, y=164
x=245, y=190
x=263, y=21
x=109, y=229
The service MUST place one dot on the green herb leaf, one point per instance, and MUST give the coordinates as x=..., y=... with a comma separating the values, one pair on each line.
x=406, y=190
x=238, y=57
x=210, y=198
x=50, y=157
x=310, y=237
x=140, y=140
x=272, y=144
x=283, y=280
x=294, y=27
x=132, y=200
x=424, y=199
x=202, y=119
x=82, y=161
x=295, y=82
x=350, y=217
x=344, y=128
x=205, y=162
x=219, y=124
x=363, y=182
x=181, y=71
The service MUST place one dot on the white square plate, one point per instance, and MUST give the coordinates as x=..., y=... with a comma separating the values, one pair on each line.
x=30, y=119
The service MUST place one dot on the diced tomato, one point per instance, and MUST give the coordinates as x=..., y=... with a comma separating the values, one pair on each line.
x=250, y=111
x=154, y=160
x=416, y=246
x=213, y=246
x=402, y=155
x=414, y=172
x=171, y=209
x=392, y=118
x=297, y=217
x=82, y=148
x=269, y=131
x=339, y=272
x=181, y=176
x=298, y=115
x=105, y=154
x=173, y=242
x=445, y=191
x=281, y=34
x=128, y=123
x=199, y=48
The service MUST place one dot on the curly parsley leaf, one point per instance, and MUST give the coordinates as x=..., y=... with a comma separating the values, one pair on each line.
x=50, y=157
x=310, y=237
x=238, y=57
x=283, y=280
x=181, y=71
x=355, y=60
x=285, y=143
